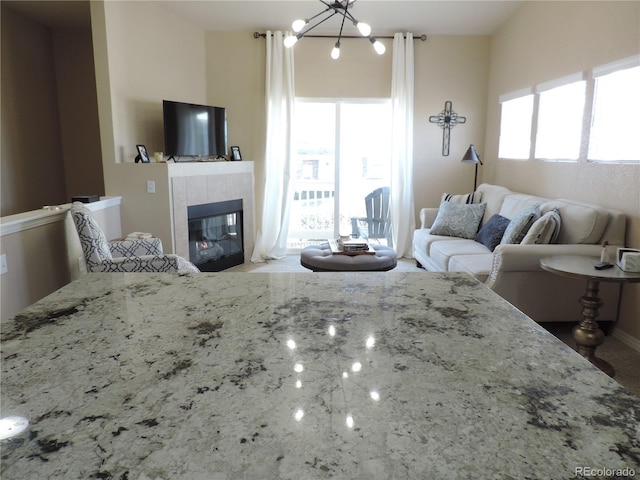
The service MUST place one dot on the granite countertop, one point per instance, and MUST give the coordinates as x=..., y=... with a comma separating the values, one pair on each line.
x=301, y=376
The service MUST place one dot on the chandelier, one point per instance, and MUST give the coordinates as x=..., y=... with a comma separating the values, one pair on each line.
x=340, y=8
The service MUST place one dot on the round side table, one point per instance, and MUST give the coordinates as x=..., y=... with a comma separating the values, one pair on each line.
x=587, y=333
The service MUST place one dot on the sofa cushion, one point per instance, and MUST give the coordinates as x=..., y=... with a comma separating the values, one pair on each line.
x=491, y=232
x=515, y=203
x=477, y=265
x=467, y=198
x=422, y=240
x=442, y=252
x=545, y=230
x=458, y=220
x=520, y=225
x=581, y=223
x=493, y=196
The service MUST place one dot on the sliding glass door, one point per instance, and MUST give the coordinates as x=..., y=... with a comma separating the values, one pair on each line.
x=342, y=153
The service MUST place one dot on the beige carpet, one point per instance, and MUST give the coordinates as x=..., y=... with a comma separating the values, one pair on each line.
x=624, y=359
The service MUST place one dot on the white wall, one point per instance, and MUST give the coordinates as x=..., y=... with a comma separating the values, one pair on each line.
x=542, y=41
x=446, y=68
x=143, y=55
x=548, y=40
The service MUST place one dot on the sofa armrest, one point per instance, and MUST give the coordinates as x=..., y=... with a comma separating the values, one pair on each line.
x=136, y=248
x=427, y=216
x=526, y=258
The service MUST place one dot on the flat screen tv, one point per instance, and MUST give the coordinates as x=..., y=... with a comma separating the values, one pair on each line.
x=194, y=130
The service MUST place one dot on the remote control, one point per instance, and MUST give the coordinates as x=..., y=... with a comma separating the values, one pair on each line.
x=602, y=266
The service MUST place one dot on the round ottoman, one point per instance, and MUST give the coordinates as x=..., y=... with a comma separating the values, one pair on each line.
x=320, y=259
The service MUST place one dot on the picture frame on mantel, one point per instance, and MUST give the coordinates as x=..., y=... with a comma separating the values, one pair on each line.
x=142, y=156
x=236, y=156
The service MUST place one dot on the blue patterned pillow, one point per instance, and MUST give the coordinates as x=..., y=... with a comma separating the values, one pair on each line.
x=458, y=220
x=492, y=231
x=520, y=225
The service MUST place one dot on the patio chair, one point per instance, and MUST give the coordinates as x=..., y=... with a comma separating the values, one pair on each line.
x=377, y=224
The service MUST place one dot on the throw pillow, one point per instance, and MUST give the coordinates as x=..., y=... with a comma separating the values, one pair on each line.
x=458, y=220
x=468, y=198
x=492, y=231
x=520, y=225
x=545, y=230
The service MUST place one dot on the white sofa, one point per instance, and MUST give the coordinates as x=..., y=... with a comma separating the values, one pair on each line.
x=513, y=270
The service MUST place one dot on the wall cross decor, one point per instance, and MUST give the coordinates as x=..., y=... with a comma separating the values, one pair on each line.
x=447, y=119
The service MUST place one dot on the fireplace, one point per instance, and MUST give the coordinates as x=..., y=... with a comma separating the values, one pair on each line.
x=215, y=235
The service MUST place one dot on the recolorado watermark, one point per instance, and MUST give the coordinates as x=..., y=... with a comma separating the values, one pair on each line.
x=599, y=472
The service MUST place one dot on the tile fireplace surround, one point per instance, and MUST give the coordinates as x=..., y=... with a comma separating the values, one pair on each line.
x=199, y=183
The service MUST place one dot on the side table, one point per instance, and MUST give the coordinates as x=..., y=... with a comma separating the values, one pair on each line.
x=587, y=333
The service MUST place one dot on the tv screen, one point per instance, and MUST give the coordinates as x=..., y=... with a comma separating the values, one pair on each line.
x=194, y=130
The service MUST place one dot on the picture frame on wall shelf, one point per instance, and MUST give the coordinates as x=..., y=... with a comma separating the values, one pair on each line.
x=236, y=156
x=142, y=156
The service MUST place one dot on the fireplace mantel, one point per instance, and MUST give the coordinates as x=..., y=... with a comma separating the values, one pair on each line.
x=207, y=182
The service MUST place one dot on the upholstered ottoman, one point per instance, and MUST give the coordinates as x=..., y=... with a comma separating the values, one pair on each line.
x=320, y=259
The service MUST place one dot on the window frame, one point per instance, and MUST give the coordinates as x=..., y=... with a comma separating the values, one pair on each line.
x=517, y=95
x=597, y=72
x=590, y=77
x=545, y=87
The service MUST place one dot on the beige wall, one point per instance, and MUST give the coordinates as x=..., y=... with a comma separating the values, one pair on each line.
x=78, y=105
x=35, y=253
x=32, y=161
x=446, y=68
x=51, y=146
x=548, y=40
x=43, y=251
x=143, y=55
x=152, y=56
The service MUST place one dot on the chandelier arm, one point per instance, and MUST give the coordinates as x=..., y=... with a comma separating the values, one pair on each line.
x=328, y=5
x=302, y=34
x=351, y=17
x=344, y=17
x=318, y=14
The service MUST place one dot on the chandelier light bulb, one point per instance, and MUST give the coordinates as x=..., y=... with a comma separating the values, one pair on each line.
x=298, y=25
x=335, y=53
x=378, y=46
x=364, y=29
x=290, y=41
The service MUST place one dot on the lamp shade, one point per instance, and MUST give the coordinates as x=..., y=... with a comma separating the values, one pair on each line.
x=471, y=156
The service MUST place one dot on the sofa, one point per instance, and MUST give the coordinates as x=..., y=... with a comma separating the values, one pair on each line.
x=448, y=241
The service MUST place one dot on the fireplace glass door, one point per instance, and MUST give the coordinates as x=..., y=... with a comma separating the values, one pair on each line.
x=215, y=235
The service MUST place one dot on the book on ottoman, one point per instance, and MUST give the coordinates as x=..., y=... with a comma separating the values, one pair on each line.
x=350, y=247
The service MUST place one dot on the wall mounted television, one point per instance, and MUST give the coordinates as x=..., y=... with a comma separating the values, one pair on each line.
x=194, y=130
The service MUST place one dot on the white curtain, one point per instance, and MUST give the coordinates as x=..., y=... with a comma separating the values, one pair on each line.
x=402, y=205
x=271, y=238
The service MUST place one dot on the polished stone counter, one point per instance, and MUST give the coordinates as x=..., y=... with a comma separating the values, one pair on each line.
x=301, y=376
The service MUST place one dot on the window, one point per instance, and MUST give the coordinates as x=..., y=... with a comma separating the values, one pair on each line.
x=515, y=126
x=571, y=118
x=342, y=153
x=615, y=125
x=560, y=113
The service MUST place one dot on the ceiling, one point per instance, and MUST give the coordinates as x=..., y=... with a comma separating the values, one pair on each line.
x=431, y=17
x=450, y=17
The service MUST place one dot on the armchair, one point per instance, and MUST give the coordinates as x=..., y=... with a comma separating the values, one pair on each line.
x=377, y=223
x=143, y=255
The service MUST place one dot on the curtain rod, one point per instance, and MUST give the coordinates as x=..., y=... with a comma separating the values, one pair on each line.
x=422, y=37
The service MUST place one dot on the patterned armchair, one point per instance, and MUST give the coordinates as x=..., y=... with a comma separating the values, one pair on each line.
x=143, y=255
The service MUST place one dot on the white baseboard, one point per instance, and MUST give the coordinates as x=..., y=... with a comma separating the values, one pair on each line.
x=626, y=339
